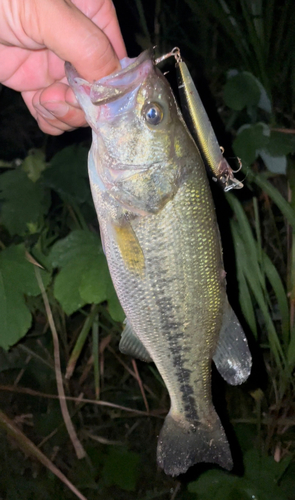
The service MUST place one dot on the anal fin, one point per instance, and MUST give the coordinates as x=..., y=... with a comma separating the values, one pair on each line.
x=131, y=345
x=232, y=357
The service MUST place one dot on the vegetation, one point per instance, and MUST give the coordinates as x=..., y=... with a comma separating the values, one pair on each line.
x=77, y=418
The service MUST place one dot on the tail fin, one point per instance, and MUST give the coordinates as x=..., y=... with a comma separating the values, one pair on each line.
x=182, y=444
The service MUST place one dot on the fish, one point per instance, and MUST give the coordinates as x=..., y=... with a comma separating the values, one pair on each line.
x=161, y=240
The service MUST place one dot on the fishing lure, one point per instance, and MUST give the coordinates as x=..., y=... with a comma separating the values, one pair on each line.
x=200, y=126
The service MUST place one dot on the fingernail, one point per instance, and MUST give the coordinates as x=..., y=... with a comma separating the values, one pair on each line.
x=58, y=109
x=43, y=112
x=72, y=99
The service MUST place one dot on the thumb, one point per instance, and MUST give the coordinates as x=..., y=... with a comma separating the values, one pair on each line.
x=71, y=35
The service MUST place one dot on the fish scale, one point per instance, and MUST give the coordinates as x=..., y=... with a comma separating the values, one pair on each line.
x=161, y=240
x=178, y=284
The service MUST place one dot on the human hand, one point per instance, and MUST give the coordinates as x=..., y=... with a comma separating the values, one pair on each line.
x=37, y=36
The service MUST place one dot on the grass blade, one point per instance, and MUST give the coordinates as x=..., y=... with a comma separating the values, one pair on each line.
x=226, y=19
x=81, y=341
x=291, y=350
x=143, y=22
x=95, y=354
x=245, y=299
x=249, y=243
x=248, y=265
x=275, y=195
x=281, y=296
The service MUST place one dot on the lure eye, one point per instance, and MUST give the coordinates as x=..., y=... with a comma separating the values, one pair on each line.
x=153, y=113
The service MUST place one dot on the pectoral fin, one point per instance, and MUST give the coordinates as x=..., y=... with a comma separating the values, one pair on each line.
x=129, y=247
x=131, y=345
x=232, y=357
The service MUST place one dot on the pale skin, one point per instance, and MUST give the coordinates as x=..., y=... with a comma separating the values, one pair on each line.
x=38, y=36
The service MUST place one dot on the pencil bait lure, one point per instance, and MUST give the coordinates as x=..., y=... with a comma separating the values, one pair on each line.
x=200, y=126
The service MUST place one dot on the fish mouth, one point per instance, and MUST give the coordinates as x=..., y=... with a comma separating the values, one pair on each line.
x=113, y=86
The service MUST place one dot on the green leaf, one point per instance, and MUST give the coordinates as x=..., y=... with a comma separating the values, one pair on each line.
x=264, y=101
x=265, y=472
x=257, y=140
x=17, y=278
x=280, y=143
x=115, y=308
x=84, y=476
x=84, y=276
x=67, y=174
x=241, y=90
x=275, y=164
x=68, y=248
x=67, y=283
x=259, y=482
x=95, y=281
x=34, y=164
x=24, y=201
x=121, y=468
x=213, y=484
x=249, y=140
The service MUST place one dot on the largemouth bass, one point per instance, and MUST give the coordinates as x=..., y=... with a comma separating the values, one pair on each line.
x=162, y=244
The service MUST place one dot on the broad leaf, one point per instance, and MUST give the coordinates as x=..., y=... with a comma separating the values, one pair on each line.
x=259, y=481
x=34, y=164
x=275, y=164
x=213, y=484
x=241, y=90
x=67, y=174
x=249, y=140
x=115, y=308
x=258, y=140
x=281, y=143
x=24, y=202
x=17, y=279
x=84, y=276
x=121, y=468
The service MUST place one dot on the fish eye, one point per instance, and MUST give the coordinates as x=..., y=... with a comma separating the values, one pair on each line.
x=153, y=113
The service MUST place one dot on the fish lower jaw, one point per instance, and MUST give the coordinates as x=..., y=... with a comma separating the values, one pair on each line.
x=118, y=175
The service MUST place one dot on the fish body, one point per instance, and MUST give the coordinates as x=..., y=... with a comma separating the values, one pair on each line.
x=162, y=244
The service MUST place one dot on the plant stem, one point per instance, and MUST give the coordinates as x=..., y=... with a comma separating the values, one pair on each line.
x=81, y=340
x=29, y=448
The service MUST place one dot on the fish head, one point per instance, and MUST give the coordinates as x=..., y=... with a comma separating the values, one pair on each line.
x=138, y=131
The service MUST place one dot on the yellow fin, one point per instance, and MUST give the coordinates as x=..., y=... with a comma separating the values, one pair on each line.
x=130, y=248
